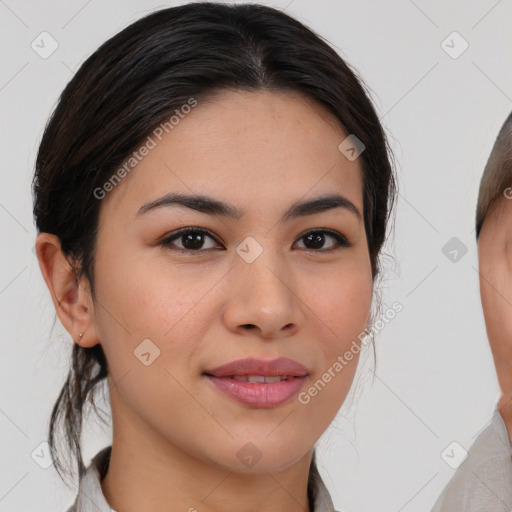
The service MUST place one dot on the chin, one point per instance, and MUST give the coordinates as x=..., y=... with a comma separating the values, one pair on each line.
x=262, y=456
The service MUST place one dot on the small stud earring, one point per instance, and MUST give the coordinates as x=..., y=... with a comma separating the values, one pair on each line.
x=80, y=335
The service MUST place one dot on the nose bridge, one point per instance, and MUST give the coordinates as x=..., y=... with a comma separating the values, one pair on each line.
x=264, y=289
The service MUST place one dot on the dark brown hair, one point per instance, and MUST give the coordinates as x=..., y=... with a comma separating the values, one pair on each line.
x=137, y=79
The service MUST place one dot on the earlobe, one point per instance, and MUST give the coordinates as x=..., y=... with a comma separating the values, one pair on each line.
x=71, y=298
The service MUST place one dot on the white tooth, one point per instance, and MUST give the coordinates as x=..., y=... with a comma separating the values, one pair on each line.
x=259, y=378
x=277, y=378
x=256, y=378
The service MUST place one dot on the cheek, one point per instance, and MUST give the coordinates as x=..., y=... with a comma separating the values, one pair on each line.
x=343, y=302
x=139, y=289
x=342, y=308
x=147, y=300
x=341, y=305
x=493, y=289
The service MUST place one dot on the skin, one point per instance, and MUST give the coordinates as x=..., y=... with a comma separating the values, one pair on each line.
x=176, y=437
x=495, y=268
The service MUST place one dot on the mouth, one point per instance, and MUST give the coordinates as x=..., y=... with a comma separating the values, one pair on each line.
x=259, y=383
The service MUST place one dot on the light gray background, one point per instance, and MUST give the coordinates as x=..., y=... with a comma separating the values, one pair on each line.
x=434, y=381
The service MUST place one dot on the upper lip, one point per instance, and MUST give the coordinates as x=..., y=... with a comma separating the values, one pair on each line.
x=268, y=368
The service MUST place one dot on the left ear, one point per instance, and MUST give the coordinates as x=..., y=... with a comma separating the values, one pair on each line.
x=71, y=298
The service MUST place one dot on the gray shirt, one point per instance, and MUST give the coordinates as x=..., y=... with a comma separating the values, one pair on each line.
x=483, y=482
x=90, y=496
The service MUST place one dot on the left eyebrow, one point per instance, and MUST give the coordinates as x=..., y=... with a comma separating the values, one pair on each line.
x=211, y=206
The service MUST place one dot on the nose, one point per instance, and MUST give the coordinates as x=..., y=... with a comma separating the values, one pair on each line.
x=262, y=297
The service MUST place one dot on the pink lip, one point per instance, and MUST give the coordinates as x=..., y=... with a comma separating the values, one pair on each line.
x=259, y=394
x=268, y=368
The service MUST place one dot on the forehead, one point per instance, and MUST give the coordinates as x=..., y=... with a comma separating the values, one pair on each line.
x=262, y=148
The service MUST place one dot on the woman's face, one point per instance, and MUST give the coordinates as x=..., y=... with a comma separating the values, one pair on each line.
x=171, y=308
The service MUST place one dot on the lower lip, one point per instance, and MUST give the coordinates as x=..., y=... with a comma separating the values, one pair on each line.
x=259, y=394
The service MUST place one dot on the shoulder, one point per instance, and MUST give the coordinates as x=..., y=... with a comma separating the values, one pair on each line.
x=484, y=479
x=89, y=490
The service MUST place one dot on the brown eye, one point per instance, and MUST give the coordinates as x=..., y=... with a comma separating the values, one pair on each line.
x=315, y=240
x=191, y=240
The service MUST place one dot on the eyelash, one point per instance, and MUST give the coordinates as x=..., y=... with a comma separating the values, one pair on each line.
x=166, y=242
